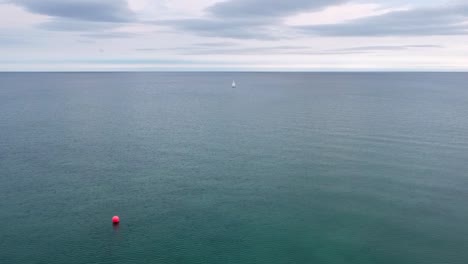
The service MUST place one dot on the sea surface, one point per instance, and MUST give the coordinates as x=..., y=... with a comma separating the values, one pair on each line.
x=301, y=168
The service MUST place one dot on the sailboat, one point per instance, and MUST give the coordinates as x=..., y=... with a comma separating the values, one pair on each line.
x=233, y=84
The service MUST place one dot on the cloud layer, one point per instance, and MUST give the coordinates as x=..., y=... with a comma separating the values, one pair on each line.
x=87, y=10
x=264, y=19
x=445, y=20
x=396, y=33
x=267, y=8
x=255, y=19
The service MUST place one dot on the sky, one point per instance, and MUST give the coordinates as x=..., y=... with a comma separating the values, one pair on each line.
x=233, y=35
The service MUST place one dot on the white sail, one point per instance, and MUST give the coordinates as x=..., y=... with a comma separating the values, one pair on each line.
x=233, y=84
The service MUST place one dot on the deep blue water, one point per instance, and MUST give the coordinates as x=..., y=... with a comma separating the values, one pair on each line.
x=286, y=168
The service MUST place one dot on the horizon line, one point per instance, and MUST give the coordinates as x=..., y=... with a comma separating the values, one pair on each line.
x=237, y=71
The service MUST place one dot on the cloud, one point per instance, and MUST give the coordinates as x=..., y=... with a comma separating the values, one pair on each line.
x=267, y=8
x=248, y=19
x=283, y=50
x=271, y=32
x=388, y=48
x=86, y=41
x=93, y=18
x=216, y=44
x=101, y=61
x=196, y=46
x=75, y=25
x=445, y=20
x=10, y=41
x=86, y=10
x=109, y=35
x=265, y=20
x=230, y=28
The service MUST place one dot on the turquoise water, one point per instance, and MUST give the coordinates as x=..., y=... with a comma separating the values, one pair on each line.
x=286, y=168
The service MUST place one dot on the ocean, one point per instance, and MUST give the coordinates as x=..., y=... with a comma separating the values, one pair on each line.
x=285, y=168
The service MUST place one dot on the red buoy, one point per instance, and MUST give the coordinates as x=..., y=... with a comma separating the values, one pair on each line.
x=115, y=220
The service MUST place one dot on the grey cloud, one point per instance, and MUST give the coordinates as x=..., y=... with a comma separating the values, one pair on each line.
x=248, y=19
x=284, y=50
x=75, y=25
x=216, y=44
x=196, y=46
x=263, y=20
x=94, y=18
x=388, y=48
x=267, y=8
x=109, y=35
x=86, y=41
x=266, y=51
x=231, y=28
x=10, y=42
x=197, y=49
x=147, y=49
x=302, y=50
x=447, y=20
x=249, y=51
x=87, y=10
x=104, y=61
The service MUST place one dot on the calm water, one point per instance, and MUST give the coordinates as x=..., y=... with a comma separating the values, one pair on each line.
x=286, y=168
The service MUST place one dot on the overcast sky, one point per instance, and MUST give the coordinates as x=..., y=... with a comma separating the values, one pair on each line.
x=306, y=35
